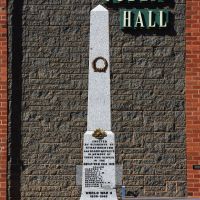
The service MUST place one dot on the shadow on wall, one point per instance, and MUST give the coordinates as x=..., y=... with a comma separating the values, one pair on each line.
x=139, y=4
x=15, y=105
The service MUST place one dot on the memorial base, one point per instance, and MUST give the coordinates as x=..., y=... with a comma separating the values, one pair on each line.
x=98, y=176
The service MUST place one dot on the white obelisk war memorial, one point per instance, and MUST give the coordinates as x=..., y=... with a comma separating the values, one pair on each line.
x=98, y=176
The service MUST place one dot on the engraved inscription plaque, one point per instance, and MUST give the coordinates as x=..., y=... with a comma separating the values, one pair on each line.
x=98, y=167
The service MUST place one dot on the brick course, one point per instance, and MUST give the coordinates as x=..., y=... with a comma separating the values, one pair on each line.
x=193, y=96
x=3, y=99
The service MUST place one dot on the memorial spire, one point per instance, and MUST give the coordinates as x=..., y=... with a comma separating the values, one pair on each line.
x=99, y=112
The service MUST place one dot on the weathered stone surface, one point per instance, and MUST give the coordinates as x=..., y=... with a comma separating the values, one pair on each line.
x=51, y=82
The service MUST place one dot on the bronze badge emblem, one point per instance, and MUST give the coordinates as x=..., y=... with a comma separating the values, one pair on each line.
x=99, y=134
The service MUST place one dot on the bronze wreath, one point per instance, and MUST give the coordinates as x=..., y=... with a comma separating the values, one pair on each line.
x=101, y=69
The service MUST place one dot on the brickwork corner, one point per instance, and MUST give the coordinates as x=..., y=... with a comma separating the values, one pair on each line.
x=3, y=98
x=193, y=96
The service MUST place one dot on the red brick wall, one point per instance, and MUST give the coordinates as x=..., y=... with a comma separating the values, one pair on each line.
x=193, y=95
x=3, y=98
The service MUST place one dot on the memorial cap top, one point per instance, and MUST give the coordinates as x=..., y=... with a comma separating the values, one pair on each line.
x=99, y=8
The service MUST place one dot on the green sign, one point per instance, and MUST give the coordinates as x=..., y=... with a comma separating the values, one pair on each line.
x=141, y=18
